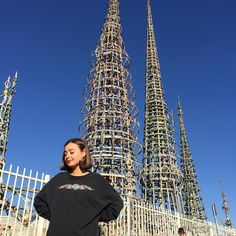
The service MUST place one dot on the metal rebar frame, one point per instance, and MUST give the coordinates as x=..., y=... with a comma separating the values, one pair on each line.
x=225, y=208
x=109, y=124
x=5, y=113
x=193, y=203
x=160, y=182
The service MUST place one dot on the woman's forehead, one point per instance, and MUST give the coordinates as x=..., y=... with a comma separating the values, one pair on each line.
x=71, y=146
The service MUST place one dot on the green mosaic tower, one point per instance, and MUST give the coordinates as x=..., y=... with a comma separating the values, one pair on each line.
x=161, y=175
x=193, y=203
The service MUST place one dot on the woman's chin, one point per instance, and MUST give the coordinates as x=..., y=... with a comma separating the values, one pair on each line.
x=72, y=167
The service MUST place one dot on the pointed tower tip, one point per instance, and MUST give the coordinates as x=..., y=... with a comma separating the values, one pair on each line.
x=222, y=189
x=178, y=100
x=148, y=4
x=7, y=83
x=16, y=74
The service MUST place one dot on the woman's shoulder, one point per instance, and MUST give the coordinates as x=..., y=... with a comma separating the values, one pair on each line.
x=100, y=178
x=58, y=176
x=103, y=184
x=96, y=175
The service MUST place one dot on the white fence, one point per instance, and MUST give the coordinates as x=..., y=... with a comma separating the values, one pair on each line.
x=18, y=217
x=139, y=219
x=17, y=191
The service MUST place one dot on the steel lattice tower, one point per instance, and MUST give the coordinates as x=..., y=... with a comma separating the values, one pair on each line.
x=5, y=113
x=109, y=111
x=19, y=208
x=193, y=203
x=161, y=174
x=225, y=208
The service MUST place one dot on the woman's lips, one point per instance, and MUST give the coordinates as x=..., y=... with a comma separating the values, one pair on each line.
x=68, y=161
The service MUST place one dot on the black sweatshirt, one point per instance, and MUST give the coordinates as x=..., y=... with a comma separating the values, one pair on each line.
x=75, y=204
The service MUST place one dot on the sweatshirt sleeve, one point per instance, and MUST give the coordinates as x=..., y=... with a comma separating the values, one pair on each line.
x=114, y=203
x=41, y=203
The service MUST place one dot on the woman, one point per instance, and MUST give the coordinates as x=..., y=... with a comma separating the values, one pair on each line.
x=181, y=232
x=76, y=200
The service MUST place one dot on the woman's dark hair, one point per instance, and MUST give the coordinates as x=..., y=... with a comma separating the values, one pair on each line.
x=181, y=231
x=86, y=163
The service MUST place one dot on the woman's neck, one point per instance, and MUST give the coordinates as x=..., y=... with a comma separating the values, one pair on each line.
x=78, y=172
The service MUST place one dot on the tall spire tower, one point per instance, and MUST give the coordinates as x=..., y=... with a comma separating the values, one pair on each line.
x=5, y=113
x=225, y=208
x=109, y=111
x=193, y=204
x=160, y=171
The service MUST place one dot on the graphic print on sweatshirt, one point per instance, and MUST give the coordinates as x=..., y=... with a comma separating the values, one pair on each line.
x=76, y=187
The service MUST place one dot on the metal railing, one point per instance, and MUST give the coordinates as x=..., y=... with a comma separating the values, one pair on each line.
x=18, y=216
x=17, y=191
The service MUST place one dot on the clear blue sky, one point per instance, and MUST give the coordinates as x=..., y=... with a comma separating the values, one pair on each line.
x=49, y=44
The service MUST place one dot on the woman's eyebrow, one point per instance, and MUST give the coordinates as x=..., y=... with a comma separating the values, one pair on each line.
x=71, y=149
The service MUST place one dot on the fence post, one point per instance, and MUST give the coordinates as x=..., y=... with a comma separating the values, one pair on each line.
x=40, y=227
x=211, y=229
x=178, y=219
x=128, y=217
x=215, y=214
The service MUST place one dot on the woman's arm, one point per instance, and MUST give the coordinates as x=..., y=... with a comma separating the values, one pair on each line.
x=112, y=210
x=41, y=204
x=114, y=203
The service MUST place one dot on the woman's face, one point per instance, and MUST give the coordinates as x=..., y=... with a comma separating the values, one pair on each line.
x=73, y=155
